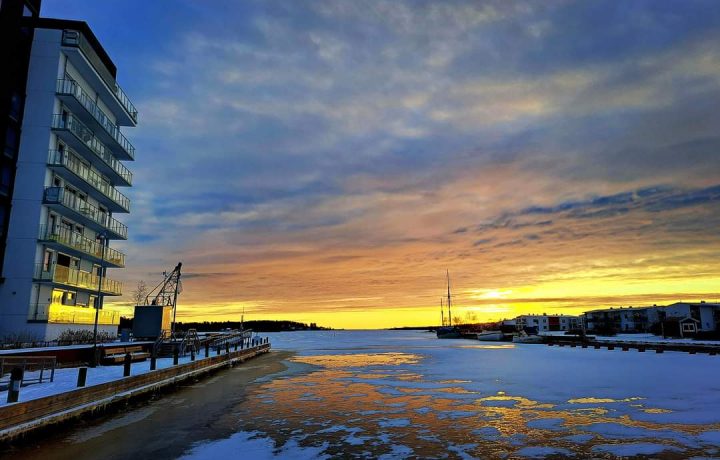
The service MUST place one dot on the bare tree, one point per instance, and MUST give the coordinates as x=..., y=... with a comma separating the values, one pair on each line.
x=140, y=293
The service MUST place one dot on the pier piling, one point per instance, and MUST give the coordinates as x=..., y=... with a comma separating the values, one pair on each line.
x=82, y=376
x=126, y=365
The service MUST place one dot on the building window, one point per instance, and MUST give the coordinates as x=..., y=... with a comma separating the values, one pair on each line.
x=68, y=298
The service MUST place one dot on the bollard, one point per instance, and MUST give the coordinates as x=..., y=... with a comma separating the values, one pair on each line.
x=242, y=343
x=126, y=367
x=192, y=354
x=218, y=350
x=207, y=349
x=236, y=346
x=227, y=348
x=82, y=376
x=176, y=356
x=153, y=362
x=16, y=377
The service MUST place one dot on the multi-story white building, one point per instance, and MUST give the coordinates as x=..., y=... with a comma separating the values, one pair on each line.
x=66, y=192
x=622, y=319
x=545, y=323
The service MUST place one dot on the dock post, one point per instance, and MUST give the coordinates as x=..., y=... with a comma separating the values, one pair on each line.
x=611, y=347
x=236, y=346
x=207, y=349
x=82, y=376
x=126, y=367
x=227, y=348
x=641, y=349
x=659, y=350
x=218, y=350
x=192, y=354
x=153, y=362
x=16, y=376
x=176, y=356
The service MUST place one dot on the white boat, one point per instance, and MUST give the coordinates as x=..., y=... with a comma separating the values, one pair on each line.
x=490, y=336
x=527, y=339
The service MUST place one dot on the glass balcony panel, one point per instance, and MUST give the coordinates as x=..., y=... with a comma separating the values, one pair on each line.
x=57, y=195
x=77, y=278
x=80, y=243
x=71, y=162
x=85, y=136
x=71, y=87
x=66, y=314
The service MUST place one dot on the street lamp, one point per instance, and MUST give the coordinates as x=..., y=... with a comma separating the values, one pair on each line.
x=102, y=236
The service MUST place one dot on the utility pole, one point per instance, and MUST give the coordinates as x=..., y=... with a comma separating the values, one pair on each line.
x=98, y=301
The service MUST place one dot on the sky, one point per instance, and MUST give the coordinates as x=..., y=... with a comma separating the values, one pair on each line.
x=328, y=161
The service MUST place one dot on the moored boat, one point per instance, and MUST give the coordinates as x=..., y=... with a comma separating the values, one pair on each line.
x=525, y=338
x=490, y=336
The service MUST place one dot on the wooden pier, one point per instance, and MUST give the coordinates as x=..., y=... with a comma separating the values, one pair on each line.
x=657, y=347
x=23, y=417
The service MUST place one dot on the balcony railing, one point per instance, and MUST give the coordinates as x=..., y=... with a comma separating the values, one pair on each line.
x=71, y=87
x=77, y=241
x=66, y=314
x=69, y=161
x=58, y=195
x=76, y=278
x=86, y=136
x=76, y=39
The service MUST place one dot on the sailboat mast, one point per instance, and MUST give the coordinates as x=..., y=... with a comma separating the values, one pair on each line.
x=448, y=299
x=442, y=312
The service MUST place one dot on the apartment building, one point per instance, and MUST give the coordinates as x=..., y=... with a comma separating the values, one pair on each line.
x=545, y=323
x=66, y=192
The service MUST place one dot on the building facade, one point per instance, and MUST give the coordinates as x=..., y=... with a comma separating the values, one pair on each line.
x=621, y=319
x=66, y=191
x=546, y=323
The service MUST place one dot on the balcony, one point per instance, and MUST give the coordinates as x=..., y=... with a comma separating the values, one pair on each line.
x=82, y=140
x=90, y=65
x=79, y=101
x=67, y=314
x=66, y=276
x=83, y=212
x=82, y=176
x=78, y=245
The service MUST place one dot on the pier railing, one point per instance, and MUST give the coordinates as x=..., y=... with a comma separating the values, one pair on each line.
x=18, y=418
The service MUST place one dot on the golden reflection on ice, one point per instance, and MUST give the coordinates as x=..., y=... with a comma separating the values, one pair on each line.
x=361, y=413
x=358, y=360
x=602, y=400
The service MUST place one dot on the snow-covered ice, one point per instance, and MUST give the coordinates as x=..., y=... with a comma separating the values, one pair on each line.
x=410, y=394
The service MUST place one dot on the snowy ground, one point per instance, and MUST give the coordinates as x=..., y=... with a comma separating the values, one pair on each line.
x=398, y=394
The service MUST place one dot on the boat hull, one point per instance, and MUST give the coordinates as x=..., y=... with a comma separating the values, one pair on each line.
x=490, y=336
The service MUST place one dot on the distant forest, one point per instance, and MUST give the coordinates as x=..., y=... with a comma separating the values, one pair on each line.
x=257, y=325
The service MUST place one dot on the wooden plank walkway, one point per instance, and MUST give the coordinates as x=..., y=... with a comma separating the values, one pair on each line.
x=19, y=418
x=657, y=347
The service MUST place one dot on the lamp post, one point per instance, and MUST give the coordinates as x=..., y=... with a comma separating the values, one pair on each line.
x=98, y=301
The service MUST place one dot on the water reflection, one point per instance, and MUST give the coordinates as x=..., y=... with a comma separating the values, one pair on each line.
x=369, y=404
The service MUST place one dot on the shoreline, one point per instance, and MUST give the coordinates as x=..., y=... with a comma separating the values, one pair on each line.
x=56, y=410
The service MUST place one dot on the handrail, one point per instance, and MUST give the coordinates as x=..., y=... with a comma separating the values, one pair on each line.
x=87, y=137
x=77, y=278
x=76, y=39
x=71, y=87
x=58, y=195
x=68, y=160
x=72, y=314
x=77, y=241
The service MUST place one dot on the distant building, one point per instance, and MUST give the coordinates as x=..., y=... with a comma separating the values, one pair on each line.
x=546, y=323
x=690, y=318
x=682, y=318
x=64, y=193
x=628, y=319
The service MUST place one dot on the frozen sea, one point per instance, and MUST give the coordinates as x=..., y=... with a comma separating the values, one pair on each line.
x=406, y=394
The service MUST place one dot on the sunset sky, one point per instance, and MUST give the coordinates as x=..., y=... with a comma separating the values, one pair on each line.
x=327, y=161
